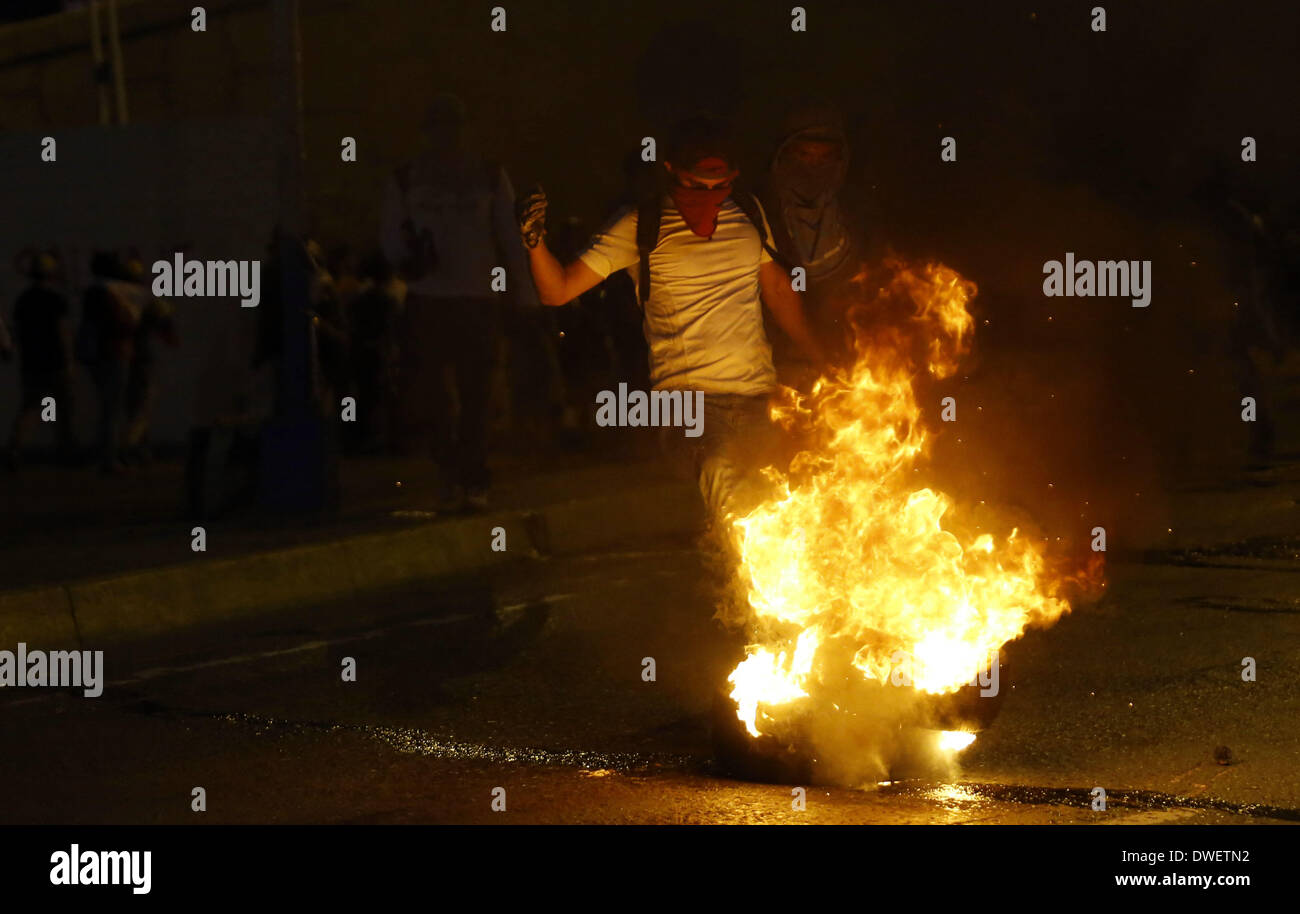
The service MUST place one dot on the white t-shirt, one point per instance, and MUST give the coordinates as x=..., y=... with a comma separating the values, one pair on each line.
x=704, y=318
x=469, y=211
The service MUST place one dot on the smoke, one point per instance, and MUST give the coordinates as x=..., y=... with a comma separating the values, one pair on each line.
x=886, y=736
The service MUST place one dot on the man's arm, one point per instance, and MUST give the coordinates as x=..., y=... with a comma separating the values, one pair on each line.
x=786, y=306
x=556, y=284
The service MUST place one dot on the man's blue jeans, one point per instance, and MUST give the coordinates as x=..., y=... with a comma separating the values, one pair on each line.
x=738, y=439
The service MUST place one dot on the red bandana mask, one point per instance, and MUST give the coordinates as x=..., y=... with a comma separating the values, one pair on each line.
x=699, y=205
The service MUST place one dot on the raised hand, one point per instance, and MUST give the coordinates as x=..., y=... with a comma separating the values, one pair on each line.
x=531, y=212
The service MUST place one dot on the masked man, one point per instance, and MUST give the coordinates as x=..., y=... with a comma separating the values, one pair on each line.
x=810, y=228
x=703, y=267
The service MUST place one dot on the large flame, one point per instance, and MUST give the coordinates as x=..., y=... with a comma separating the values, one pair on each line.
x=848, y=566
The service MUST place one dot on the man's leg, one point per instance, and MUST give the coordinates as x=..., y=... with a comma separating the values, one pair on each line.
x=419, y=377
x=110, y=381
x=28, y=413
x=139, y=401
x=370, y=400
x=740, y=440
x=66, y=431
x=737, y=440
x=445, y=342
x=475, y=360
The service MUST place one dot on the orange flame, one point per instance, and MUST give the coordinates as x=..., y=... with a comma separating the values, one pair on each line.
x=848, y=552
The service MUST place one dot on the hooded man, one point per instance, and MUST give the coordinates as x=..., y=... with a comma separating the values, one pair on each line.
x=703, y=272
x=804, y=184
x=807, y=173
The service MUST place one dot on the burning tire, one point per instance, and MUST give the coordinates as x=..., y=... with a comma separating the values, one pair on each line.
x=967, y=709
x=785, y=753
x=767, y=758
x=861, y=578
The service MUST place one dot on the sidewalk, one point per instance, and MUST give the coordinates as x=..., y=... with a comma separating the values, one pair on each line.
x=84, y=559
x=57, y=524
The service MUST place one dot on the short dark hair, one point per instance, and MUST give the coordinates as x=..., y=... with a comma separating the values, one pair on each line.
x=699, y=137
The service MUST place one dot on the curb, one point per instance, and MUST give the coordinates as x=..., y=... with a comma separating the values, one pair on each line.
x=154, y=601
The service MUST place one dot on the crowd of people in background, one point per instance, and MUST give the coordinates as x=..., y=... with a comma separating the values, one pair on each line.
x=118, y=327
x=537, y=369
x=424, y=385
x=442, y=357
x=439, y=362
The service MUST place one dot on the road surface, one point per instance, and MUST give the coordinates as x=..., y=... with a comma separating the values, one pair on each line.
x=531, y=681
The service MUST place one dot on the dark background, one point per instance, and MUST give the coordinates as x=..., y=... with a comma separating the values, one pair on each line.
x=1116, y=145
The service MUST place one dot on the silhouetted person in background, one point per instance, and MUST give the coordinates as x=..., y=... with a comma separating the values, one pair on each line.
x=810, y=223
x=447, y=223
x=330, y=333
x=328, y=328
x=157, y=321
x=110, y=313
x=44, y=342
x=373, y=315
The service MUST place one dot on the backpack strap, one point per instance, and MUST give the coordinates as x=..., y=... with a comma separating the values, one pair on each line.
x=749, y=205
x=648, y=216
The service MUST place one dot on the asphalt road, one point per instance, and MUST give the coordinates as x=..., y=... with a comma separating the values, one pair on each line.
x=532, y=682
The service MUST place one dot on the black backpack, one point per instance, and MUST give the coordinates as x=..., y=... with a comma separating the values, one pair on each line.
x=650, y=213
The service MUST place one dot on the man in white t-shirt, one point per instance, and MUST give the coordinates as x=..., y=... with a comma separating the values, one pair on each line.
x=709, y=270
